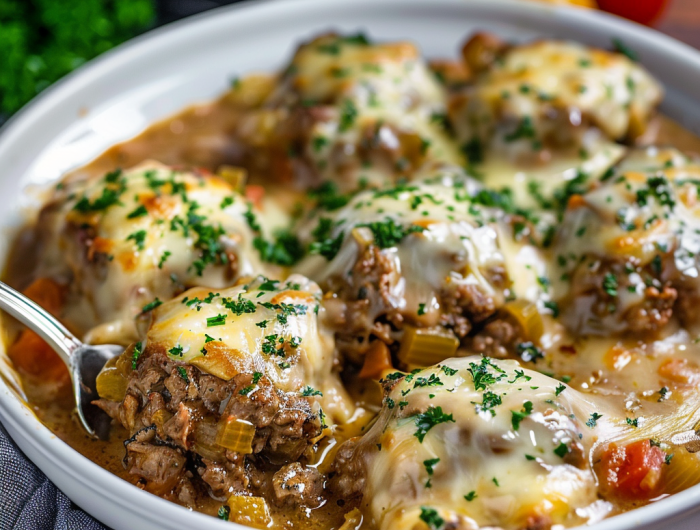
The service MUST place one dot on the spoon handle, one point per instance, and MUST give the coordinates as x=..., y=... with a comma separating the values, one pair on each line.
x=40, y=321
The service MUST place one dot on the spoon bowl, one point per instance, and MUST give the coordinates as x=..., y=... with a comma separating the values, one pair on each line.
x=84, y=361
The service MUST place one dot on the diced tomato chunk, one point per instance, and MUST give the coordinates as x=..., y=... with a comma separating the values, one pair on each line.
x=632, y=471
x=255, y=194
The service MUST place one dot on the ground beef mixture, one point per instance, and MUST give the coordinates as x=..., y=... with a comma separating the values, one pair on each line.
x=171, y=411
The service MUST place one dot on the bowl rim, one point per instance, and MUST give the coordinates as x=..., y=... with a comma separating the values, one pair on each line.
x=19, y=417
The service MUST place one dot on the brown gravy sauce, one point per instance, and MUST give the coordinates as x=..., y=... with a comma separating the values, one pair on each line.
x=199, y=136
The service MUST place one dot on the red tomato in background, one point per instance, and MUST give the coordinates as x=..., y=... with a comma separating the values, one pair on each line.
x=642, y=11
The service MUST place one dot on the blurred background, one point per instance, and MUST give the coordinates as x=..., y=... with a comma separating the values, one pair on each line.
x=43, y=40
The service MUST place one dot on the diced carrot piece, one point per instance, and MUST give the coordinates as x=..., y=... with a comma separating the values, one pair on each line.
x=632, y=471
x=680, y=371
x=47, y=293
x=377, y=359
x=29, y=352
x=576, y=201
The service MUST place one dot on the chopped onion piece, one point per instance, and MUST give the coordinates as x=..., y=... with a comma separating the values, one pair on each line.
x=111, y=383
x=236, y=435
x=529, y=318
x=422, y=347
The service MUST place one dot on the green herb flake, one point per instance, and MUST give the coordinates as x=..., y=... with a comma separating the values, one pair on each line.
x=429, y=419
x=135, y=354
x=518, y=416
x=138, y=212
x=218, y=320
x=431, y=517
x=593, y=420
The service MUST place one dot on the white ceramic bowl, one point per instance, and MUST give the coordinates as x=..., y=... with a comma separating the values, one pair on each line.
x=119, y=94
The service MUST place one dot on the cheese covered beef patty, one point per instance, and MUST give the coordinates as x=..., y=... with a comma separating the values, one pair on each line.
x=627, y=251
x=475, y=443
x=353, y=113
x=227, y=390
x=529, y=99
x=422, y=264
x=133, y=239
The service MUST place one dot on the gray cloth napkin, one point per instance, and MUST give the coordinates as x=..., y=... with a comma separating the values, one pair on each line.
x=29, y=501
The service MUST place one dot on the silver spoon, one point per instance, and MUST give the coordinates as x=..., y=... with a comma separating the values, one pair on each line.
x=84, y=361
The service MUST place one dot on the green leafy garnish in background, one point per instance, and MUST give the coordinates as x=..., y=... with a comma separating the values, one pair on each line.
x=43, y=40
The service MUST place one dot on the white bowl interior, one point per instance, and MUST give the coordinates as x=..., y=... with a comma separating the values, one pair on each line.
x=118, y=95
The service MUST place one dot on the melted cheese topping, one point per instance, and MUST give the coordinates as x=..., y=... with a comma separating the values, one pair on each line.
x=541, y=92
x=139, y=237
x=434, y=232
x=481, y=443
x=375, y=111
x=263, y=326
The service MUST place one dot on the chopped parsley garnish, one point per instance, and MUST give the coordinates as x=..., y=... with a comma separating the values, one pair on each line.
x=593, y=420
x=433, y=380
x=431, y=517
x=309, y=391
x=421, y=309
x=389, y=233
x=482, y=376
x=559, y=389
x=271, y=343
x=139, y=238
x=469, y=497
x=109, y=197
x=561, y=450
x=553, y=307
x=633, y=422
x=328, y=197
x=218, y=320
x=240, y=305
x=430, y=465
x=166, y=254
x=183, y=374
x=429, y=419
x=348, y=115
x=474, y=151
x=176, y=350
x=138, y=212
x=285, y=249
x=610, y=284
x=488, y=403
x=519, y=416
x=248, y=389
x=135, y=354
x=151, y=305
x=329, y=247
x=528, y=352
x=448, y=371
x=268, y=285
x=520, y=374
x=525, y=129
x=208, y=338
x=224, y=513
